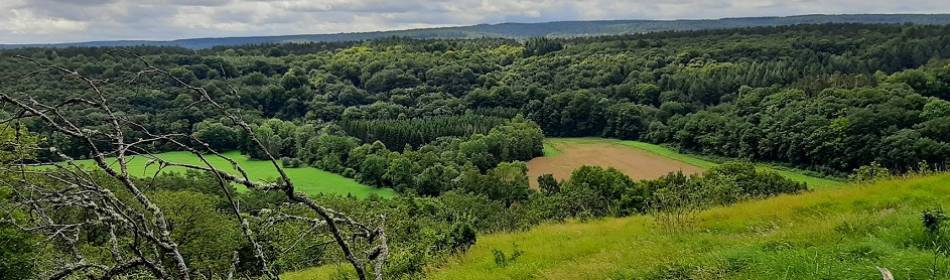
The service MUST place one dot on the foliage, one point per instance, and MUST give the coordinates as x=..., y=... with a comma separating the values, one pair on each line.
x=206, y=234
x=933, y=220
x=17, y=145
x=548, y=184
x=541, y=46
x=503, y=260
x=870, y=172
x=830, y=97
x=20, y=251
x=834, y=233
x=461, y=237
x=18, y=254
x=398, y=133
x=613, y=192
x=448, y=124
x=217, y=135
x=276, y=135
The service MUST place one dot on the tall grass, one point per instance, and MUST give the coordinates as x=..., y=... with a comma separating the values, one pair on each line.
x=840, y=233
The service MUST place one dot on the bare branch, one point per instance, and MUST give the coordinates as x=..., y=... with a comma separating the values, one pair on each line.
x=150, y=244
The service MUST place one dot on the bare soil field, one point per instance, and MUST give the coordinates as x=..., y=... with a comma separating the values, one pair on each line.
x=636, y=163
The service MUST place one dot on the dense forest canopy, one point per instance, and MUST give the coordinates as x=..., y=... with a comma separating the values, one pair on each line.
x=825, y=97
x=449, y=123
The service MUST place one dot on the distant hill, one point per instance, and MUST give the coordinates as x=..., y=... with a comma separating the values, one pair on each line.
x=525, y=30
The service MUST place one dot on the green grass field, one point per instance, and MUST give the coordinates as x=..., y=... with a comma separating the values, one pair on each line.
x=307, y=179
x=832, y=233
x=794, y=174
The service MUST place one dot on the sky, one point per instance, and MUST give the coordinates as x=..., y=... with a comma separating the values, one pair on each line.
x=53, y=21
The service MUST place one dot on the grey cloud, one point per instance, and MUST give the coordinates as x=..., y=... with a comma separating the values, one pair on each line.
x=81, y=2
x=32, y=21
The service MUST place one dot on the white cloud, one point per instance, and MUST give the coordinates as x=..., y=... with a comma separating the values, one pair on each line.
x=32, y=21
x=25, y=22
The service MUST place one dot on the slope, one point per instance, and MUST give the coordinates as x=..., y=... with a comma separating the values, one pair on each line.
x=839, y=233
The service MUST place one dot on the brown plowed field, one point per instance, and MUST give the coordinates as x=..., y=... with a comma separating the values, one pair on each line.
x=638, y=164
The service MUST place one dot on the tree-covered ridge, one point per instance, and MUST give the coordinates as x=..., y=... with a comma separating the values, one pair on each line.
x=559, y=29
x=677, y=88
x=447, y=124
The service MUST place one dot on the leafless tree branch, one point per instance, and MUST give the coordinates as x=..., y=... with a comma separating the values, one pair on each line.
x=68, y=185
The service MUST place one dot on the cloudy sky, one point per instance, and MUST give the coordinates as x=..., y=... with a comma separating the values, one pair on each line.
x=46, y=21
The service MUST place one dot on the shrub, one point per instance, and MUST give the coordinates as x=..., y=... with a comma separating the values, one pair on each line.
x=548, y=184
x=933, y=219
x=461, y=237
x=289, y=162
x=869, y=173
x=503, y=260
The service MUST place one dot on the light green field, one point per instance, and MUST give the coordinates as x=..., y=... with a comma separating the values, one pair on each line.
x=318, y=273
x=797, y=175
x=549, y=150
x=832, y=233
x=307, y=179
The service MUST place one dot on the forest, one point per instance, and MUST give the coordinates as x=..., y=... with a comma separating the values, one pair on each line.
x=446, y=123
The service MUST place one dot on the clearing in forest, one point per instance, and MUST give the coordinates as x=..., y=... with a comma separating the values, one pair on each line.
x=572, y=154
x=308, y=180
x=638, y=160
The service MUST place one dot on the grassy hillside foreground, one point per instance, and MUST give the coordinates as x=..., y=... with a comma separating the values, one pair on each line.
x=307, y=179
x=839, y=233
x=551, y=144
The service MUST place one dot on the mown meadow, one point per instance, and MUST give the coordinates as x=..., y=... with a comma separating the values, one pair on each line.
x=309, y=180
x=813, y=180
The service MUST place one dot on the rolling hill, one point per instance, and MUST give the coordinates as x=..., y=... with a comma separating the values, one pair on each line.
x=848, y=232
x=526, y=30
x=840, y=233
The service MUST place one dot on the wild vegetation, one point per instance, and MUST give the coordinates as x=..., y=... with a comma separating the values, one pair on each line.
x=841, y=233
x=440, y=131
x=401, y=132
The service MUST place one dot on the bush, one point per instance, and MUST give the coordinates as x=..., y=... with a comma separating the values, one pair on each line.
x=619, y=191
x=869, y=173
x=349, y=172
x=548, y=184
x=933, y=220
x=936, y=239
x=461, y=237
x=502, y=260
x=733, y=181
x=289, y=162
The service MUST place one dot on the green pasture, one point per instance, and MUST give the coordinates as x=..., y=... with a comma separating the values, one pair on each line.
x=307, y=179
